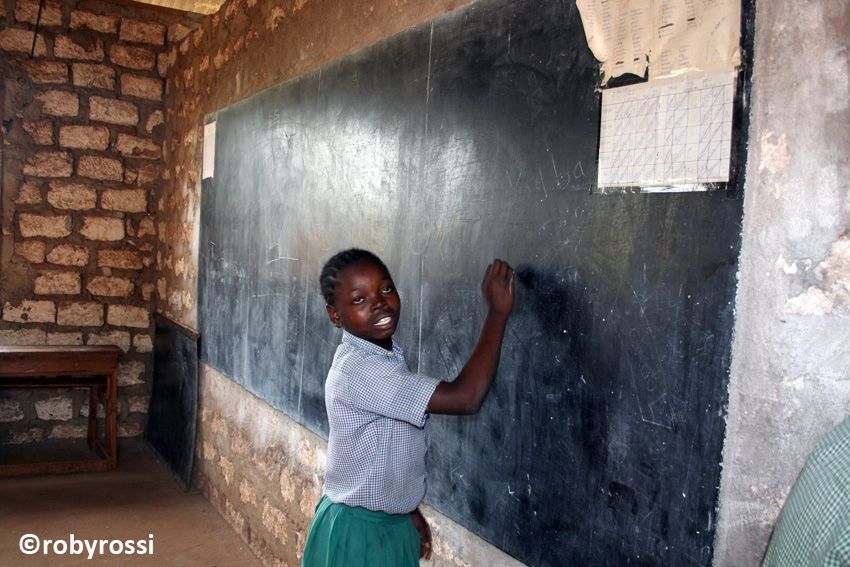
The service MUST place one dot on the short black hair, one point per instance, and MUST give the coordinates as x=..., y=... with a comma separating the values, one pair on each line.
x=337, y=263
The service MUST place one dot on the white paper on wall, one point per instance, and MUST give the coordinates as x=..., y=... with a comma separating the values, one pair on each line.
x=674, y=36
x=209, y=150
x=695, y=35
x=618, y=33
x=674, y=131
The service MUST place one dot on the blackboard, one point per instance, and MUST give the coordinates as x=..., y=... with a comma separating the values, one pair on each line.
x=173, y=413
x=469, y=137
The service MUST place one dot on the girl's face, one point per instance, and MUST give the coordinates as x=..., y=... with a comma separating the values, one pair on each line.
x=366, y=303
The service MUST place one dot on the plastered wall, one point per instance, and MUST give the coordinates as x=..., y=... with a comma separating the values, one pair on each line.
x=790, y=376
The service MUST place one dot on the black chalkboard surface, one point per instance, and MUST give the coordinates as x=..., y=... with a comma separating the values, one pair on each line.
x=471, y=137
x=173, y=413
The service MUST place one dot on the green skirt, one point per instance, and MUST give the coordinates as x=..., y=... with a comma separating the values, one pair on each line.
x=345, y=536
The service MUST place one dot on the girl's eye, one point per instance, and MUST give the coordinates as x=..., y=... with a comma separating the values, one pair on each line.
x=387, y=289
x=357, y=300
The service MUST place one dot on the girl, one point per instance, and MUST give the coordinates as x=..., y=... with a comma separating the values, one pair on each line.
x=378, y=411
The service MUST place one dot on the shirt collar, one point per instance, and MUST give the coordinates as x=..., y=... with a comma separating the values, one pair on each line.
x=370, y=347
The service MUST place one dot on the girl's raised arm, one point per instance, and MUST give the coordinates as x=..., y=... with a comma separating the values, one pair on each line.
x=465, y=395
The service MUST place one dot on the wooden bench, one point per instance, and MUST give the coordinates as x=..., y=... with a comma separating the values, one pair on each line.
x=92, y=367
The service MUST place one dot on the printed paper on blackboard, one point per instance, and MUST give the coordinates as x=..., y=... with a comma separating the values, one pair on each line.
x=673, y=131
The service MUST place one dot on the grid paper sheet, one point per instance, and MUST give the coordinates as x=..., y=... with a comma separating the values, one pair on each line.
x=667, y=132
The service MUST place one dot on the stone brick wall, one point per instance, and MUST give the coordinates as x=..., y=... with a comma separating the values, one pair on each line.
x=82, y=108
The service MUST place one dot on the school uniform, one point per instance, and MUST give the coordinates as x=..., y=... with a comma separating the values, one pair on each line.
x=376, y=463
x=813, y=529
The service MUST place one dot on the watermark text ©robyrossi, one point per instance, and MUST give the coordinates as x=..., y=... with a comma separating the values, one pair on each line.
x=31, y=544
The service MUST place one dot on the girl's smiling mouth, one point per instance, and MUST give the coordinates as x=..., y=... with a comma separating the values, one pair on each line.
x=384, y=321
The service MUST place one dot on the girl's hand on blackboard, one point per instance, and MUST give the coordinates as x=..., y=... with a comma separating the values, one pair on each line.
x=498, y=288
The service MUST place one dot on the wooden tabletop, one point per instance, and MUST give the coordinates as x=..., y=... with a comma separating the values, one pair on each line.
x=61, y=360
x=64, y=349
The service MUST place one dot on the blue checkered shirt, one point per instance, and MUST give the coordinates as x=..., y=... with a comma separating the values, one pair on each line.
x=378, y=436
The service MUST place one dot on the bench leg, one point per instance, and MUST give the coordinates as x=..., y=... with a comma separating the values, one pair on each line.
x=92, y=431
x=111, y=407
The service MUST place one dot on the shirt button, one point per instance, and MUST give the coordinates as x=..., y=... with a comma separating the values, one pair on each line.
x=389, y=354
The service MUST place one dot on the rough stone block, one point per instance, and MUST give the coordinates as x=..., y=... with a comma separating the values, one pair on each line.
x=29, y=194
x=147, y=291
x=142, y=343
x=57, y=283
x=26, y=337
x=104, y=24
x=59, y=103
x=132, y=57
x=97, y=167
x=49, y=164
x=128, y=316
x=142, y=87
x=27, y=11
x=40, y=131
x=274, y=520
x=93, y=76
x=102, y=228
x=227, y=469
x=133, y=146
x=32, y=435
x=46, y=72
x=130, y=373
x=247, y=492
x=155, y=119
x=68, y=431
x=66, y=48
x=113, y=111
x=210, y=452
x=127, y=200
x=120, y=339
x=48, y=226
x=64, y=338
x=146, y=228
x=177, y=33
x=84, y=137
x=31, y=250
x=130, y=429
x=138, y=404
x=68, y=255
x=148, y=174
x=122, y=259
x=30, y=311
x=84, y=410
x=10, y=411
x=20, y=41
x=59, y=408
x=111, y=286
x=72, y=196
x=142, y=32
x=164, y=62
x=80, y=314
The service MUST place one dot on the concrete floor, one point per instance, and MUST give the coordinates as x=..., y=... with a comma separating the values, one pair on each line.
x=141, y=500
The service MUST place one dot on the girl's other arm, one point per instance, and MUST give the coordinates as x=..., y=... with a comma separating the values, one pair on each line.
x=424, y=534
x=465, y=395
